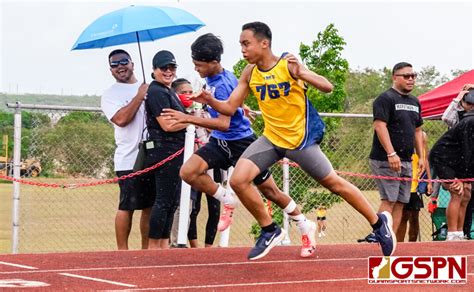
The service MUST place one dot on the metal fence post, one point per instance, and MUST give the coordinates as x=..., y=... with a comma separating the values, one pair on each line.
x=185, y=190
x=286, y=190
x=16, y=174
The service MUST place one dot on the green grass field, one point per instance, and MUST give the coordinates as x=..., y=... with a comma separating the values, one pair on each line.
x=5, y=217
x=61, y=220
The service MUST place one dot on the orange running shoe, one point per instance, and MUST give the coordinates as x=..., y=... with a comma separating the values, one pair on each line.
x=309, y=241
x=226, y=218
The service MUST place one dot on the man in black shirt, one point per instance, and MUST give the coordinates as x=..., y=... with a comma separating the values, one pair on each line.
x=397, y=131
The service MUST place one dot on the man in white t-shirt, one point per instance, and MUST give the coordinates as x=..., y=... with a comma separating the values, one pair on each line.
x=123, y=105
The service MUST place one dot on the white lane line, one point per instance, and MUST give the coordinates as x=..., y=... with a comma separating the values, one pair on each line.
x=18, y=266
x=187, y=265
x=299, y=261
x=249, y=284
x=97, y=280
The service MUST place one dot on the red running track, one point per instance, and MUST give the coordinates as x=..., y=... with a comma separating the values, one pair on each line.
x=335, y=267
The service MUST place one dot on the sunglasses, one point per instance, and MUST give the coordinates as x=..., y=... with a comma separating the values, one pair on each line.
x=407, y=76
x=123, y=62
x=171, y=68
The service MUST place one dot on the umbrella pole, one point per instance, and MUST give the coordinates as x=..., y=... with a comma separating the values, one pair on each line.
x=141, y=58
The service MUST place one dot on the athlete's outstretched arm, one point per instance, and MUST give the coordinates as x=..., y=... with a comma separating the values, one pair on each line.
x=235, y=100
x=299, y=71
x=221, y=123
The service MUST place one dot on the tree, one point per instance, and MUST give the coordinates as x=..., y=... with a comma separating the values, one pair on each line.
x=324, y=57
x=458, y=72
x=363, y=86
x=428, y=78
x=81, y=144
x=29, y=122
x=82, y=117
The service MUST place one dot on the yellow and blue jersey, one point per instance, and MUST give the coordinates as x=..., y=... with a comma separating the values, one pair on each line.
x=291, y=121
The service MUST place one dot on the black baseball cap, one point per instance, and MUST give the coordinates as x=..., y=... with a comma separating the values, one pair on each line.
x=163, y=58
x=469, y=96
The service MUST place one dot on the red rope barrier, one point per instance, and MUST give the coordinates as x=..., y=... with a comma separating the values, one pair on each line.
x=179, y=152
x=90, y=184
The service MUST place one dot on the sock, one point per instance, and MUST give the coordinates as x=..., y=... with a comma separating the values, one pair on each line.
x=301, y=222
x=224, y=196
x=270, y=228
x=377, y=224
x=460, y=233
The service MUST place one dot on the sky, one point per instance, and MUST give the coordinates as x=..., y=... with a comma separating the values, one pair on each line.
x=36, y=37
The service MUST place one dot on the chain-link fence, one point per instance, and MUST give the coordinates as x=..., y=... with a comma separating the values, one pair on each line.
x=75, y=145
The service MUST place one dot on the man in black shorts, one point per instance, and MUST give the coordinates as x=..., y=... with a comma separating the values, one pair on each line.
x=397, y=131
x=123, y=105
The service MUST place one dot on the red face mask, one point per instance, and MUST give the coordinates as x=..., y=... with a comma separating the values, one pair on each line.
x=185, y=100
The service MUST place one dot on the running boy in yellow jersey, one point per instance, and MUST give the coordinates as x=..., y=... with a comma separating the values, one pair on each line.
x=293, y=129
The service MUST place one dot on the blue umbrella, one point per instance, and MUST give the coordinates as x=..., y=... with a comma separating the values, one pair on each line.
x=135, y=24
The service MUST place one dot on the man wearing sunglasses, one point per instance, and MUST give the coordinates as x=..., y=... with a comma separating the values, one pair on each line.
x=122, y=104
x=397, y=131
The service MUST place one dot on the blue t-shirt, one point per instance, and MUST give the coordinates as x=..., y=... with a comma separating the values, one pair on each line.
x=223, y=84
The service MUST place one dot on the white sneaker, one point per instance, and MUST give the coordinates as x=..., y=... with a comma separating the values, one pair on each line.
x=452, y=236
x=322, y=232
x=319, y=235
x=309, y=241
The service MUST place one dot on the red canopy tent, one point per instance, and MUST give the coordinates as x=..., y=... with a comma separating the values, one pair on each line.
x=435, y=102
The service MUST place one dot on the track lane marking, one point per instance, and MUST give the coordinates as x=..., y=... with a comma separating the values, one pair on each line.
x=248, y=284
x=97, y=280
x=184, y=265
x=18, y=266
x=193, y=265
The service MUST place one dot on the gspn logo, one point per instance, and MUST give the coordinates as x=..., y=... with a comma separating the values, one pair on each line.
x=417, y=270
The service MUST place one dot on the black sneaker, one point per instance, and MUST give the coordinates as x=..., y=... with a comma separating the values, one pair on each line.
x=385, y=235
x=265, y=242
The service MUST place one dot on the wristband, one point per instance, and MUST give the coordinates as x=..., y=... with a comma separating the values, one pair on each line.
x=392, y=154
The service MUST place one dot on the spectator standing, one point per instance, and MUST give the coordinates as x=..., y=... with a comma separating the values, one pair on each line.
x=451, y=116
x=397, y=131
x=452, y=157
x=123, y=105
x=166, y=140
x=411, y=211
x=184, y=89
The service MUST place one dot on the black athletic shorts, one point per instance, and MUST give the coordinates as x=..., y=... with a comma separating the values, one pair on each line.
x=415, y=203
x=224, y=154
x=136, y=193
